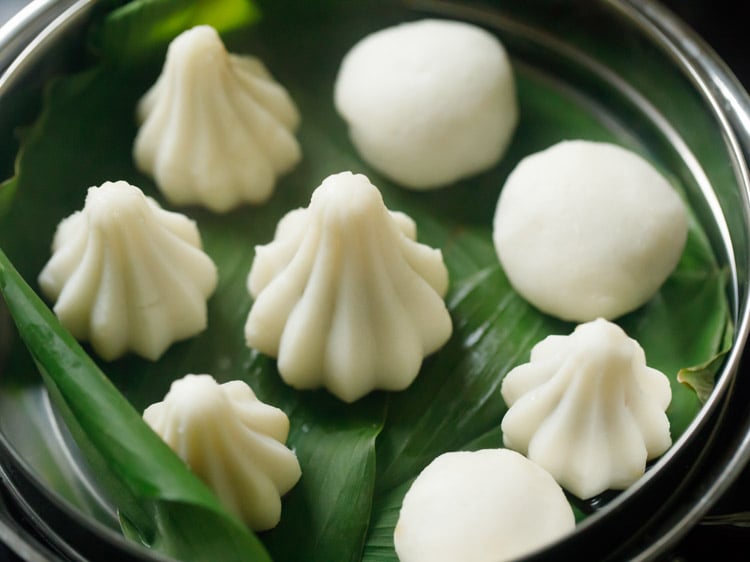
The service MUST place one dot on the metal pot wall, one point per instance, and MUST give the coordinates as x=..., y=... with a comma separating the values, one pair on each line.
x=683, y=486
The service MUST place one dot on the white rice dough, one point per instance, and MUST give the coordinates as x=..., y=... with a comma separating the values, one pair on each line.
x=428, y=102
x=586, y=230
x=215, y=129
x=232, y=441
x=345, y=297
x=483, y=506
x=127, y=275
x=588, y=409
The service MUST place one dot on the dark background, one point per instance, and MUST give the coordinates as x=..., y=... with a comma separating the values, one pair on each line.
x=720, y=23
x=723, y=24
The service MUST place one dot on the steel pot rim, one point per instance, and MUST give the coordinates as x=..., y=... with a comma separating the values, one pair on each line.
x=42, y=19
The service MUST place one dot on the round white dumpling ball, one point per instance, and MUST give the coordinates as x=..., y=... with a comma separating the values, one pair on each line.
x=586, y=230
x=428, y=102
x=482, y=506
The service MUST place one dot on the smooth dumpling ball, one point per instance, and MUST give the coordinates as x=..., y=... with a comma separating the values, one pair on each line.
x=588, y=229
x=480, y=506
x=428, y=102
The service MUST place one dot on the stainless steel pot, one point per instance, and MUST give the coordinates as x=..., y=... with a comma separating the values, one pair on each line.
x=617, y=52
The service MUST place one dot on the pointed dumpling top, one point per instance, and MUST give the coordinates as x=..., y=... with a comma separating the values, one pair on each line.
x=216, y=129
x=588, y=409
x=344, y=295
x=127, y=275
x=232, y=441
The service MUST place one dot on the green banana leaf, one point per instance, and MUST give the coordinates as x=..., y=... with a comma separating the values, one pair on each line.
x=156, y=493
x=357, y=460
x=142, y=29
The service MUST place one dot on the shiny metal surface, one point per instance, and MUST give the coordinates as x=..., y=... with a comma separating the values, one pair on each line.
x=731, y=104
x=21, y=30
x=710, y=455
